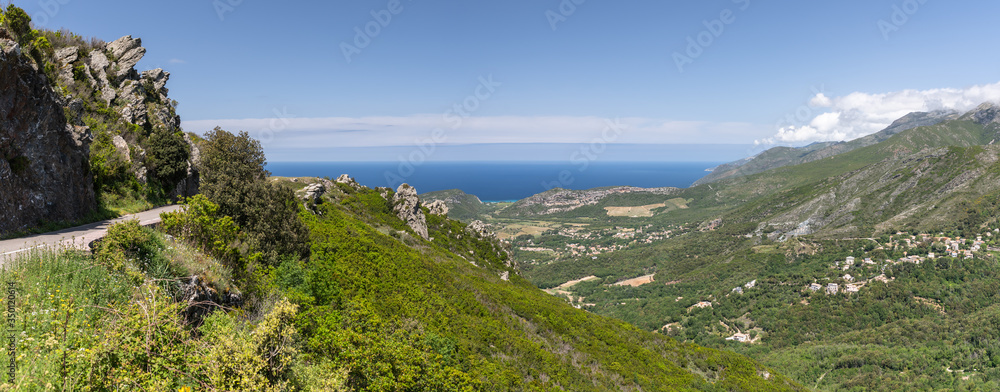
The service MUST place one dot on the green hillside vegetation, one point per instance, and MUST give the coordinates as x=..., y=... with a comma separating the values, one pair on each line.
x=785, y=229
x=209, y=304
x=461, y=206
x=787, y=156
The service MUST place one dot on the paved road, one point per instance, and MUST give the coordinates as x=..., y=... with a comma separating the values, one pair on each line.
x=78, y=237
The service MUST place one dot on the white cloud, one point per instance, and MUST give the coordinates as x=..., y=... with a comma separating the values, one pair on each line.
x=177, y=61
x=859, y=114
x=287, y=131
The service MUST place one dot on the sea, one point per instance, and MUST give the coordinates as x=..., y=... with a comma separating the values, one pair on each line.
x=503, y=181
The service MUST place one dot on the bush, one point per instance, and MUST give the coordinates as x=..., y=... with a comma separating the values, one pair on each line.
x=20, y=24
x=201, y=224
x=132, y=249
x=233, y=176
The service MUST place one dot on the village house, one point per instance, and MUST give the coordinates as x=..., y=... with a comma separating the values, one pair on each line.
x=740, y=337
x=815, y=287
x=832, y=288
x=700, y=305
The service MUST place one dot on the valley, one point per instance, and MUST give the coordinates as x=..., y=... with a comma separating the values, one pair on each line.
x=849, y=272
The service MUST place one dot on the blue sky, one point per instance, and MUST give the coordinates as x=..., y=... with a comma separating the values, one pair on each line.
x=551, y=72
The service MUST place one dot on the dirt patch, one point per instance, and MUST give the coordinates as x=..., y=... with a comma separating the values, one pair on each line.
x=634, y=212
x=636, y=282
x=572, y=283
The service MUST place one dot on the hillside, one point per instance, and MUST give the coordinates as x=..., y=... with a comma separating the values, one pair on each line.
x=749, y=264
x=375, y=307
x=788, y=156
x=461, y=206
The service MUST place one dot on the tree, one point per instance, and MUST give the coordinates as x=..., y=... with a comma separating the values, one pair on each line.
x=19, y=23
x=233, y=176
x=167, y=156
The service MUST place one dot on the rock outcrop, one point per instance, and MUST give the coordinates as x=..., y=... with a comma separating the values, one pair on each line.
x=438, y=207
x=480, y=229
x=140, y=98
x=407, y=207
x=314, y=192
x=44, y=170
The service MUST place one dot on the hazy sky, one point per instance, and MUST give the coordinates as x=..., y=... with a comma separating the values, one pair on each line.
x=441, y=73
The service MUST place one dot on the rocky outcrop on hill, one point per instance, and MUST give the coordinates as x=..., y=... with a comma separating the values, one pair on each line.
x=139, y=98
x=985, y=114
x=480, y=229
x=348, y=180
x=313, y=193
x=407, y=207
x=438, y=207
x=44, y=171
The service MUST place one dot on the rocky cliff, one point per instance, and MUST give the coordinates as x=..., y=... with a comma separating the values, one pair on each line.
x=132, y=105
x=44, y=171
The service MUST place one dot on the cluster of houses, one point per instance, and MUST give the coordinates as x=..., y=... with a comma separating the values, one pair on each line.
x=750, y=285
x=954, y=247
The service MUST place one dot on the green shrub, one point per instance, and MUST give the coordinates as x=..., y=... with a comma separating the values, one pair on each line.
x=20, y=24
x=133, y=250
x=233, y=176
x=203, y=225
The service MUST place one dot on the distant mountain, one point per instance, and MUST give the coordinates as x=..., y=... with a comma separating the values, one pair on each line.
x=850, y=270
x=787, y=156
x=461, y=206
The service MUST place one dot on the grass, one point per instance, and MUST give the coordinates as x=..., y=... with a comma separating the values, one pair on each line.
x=60, y=298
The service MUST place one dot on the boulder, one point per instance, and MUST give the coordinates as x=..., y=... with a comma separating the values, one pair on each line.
x=159, y=77
x=127, y=51
x=438, y=207
x=481, y=229
x=167, y=118
x=122, y=147
x=125, y=44
x=407, y=207
x=134, y=109
x=10, y=48
x=67, y=55
x=314, y=192
x=98, y=62
x=345, y=179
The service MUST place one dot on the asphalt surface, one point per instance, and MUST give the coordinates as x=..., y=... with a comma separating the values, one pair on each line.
x=77, y=237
